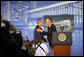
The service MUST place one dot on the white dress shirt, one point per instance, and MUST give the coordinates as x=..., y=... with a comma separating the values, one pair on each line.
x=40, y=52
x=50, y=25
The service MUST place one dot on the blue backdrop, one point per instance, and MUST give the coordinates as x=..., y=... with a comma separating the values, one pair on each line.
x=22, y=15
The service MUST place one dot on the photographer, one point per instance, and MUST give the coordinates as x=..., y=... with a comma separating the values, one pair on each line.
x=10, y=42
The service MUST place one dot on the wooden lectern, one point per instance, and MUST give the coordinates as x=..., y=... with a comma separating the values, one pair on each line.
x=62, y=42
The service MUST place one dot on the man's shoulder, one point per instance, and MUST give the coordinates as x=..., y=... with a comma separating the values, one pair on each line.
x=52, y=25
x=37, y=26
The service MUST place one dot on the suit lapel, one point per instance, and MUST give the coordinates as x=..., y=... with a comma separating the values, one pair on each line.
x=39, y=27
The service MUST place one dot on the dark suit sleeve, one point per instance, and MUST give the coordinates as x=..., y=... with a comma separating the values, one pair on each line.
x=38, y=34
x=51, y=30
x=41, y=36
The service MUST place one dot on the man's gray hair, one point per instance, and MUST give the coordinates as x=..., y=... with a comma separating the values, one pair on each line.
x=50, y=19
x=39, y=20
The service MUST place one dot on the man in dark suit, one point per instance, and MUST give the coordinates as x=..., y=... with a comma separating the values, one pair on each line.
x=36, y=33
x=51, y=29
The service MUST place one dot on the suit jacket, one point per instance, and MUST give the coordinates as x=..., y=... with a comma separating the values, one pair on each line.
x=38, y=34
x=51, y=29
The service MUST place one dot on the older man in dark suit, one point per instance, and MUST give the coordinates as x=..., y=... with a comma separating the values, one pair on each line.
x=36, y=33
x=51, y=29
